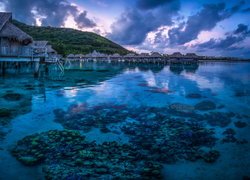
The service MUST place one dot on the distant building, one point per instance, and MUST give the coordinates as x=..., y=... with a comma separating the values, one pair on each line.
x=191, y=55
x=144, y=55
x=78, y=56
x=13, y=41
x=176, y=54
x=71, y=56
x=97, y=54
x=116, y=55
x=156, y=54
x=130, y=55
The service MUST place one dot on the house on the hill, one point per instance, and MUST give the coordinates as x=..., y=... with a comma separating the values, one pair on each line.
x=13, y=41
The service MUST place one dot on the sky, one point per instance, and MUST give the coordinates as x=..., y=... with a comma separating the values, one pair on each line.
x=214, y=27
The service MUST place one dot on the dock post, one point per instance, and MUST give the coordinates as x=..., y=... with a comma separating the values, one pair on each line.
x=3, y=68
x=36, y=71
x=46, y=69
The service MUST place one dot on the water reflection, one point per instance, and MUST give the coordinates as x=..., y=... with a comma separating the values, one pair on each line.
x=132, y=121
x=179, y=68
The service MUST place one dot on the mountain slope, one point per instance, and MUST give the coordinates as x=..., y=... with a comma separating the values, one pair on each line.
x=69, y=41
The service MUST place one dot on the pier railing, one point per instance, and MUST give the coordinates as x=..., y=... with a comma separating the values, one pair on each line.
x=16, y=51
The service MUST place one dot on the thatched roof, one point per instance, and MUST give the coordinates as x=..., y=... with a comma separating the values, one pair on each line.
x=50, y=49
x=71, y=56
x=79, y=55
x=9, y=30
x=4, y=17
x=39, y=44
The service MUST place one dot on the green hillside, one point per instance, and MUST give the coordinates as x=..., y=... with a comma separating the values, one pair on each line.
x=70, y=41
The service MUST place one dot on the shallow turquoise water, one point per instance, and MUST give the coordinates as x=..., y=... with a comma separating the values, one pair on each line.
x=152, y=108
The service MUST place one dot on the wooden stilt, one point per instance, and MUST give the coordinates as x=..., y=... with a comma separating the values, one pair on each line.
x=36, y=70
x=46, y=69
x=3, y=68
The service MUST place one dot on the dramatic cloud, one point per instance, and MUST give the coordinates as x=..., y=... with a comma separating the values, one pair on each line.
x=134, y=24
x=148, y=25
x=50, y=12
x=242, y=28
x=84, y=22
x=204, y=20
x=237, y=36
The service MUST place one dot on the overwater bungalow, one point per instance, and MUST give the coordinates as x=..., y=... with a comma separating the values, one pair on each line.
x=176, y=55
x=15, y=45
x=40, y=49
x=44, y=51
x=156, y=55
x=71, y=57
x=191, y=55
x=79, y=56
x=144, y=55
x=130, y=55
x=50, y=50
x=116, y=55
x=94, y=54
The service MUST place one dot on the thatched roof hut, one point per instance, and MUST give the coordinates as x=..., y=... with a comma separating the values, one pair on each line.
x=4, y=17
x=177, y=54
x=50, y=50
x=79, y=56
x=39, y=44
x=130, y=55
x=155, y=54
x=116, y=55
x=71, y=56
x=10, y=31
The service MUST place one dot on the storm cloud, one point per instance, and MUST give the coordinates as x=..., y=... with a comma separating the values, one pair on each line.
x=238, y=35
x=50, y=12
x=147, y=25
x=83, y=21
x=204, y=20
x=132, y=27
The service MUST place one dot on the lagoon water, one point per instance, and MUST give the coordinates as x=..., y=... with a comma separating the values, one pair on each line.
x=168, y=122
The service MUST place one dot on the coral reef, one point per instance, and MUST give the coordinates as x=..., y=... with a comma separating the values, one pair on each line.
x=5, y=112
x=205, y=105
x=242, y=92
x=5, y=115
x=67, y=155
x=167, y=140
x=220, y=119
x=230, y=137
x=240, y=124
x=179, y=108
x=82, y=117
x=13, y=97
x=194, y=96
x=155, y=138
